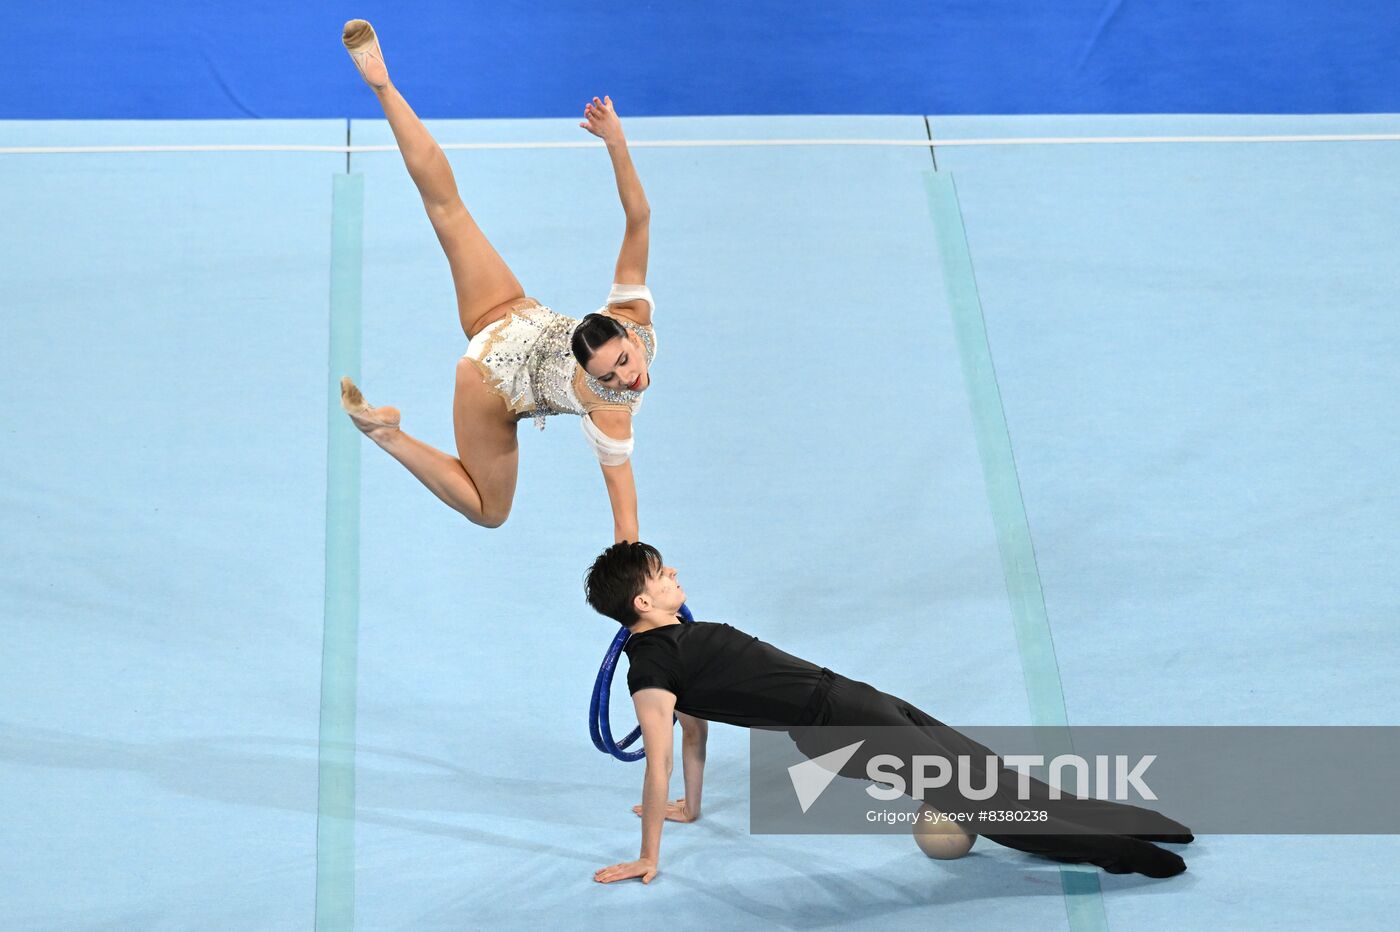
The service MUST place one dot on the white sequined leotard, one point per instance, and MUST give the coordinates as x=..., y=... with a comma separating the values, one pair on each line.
x=527, y=359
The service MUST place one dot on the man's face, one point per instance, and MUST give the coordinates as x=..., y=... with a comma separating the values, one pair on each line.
x=663, y=592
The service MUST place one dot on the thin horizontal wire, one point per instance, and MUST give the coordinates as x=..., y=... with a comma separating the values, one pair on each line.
x=716, y=143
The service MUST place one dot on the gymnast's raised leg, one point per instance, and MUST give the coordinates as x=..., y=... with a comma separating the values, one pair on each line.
x=480, y=481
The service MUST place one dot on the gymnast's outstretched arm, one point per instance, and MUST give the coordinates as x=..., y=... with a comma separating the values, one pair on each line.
x=694, y=732
x=622, y=487
x=655, y=708
x=602, y=121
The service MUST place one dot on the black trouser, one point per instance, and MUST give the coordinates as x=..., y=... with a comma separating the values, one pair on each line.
x=1074, y=830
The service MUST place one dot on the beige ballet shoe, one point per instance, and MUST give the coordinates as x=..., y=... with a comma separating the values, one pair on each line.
x=363, y=46
x=368, y=419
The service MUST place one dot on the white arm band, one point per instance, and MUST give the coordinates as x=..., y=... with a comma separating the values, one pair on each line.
x=622, y=293
x=610, y=452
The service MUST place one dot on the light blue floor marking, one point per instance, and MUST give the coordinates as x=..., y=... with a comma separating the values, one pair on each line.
x=1083, y=898
x=335, y=813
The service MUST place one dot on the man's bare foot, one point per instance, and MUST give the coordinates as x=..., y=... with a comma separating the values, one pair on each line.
x=377, y=423
x=363, y=46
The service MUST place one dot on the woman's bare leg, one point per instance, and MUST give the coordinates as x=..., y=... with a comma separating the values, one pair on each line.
x=480, y=482
x=483, y=281
x=486, y=441
x=483, y=494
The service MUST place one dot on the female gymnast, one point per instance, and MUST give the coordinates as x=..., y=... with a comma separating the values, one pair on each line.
x=522, y=359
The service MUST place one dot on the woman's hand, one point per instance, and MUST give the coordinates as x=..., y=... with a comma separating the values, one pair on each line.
x=643, y=868
x=601, y=120
x=675, y=811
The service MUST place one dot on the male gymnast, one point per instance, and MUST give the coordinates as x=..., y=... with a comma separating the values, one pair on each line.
x=704, y=672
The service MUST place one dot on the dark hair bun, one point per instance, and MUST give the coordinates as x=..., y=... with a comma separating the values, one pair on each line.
x=592, y=332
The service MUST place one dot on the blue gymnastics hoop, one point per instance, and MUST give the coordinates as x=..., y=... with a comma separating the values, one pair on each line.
x=599, y=726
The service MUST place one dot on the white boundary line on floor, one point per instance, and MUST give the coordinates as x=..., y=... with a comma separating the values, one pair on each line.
x=720, y=143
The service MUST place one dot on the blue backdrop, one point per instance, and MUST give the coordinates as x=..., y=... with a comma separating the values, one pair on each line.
x=115, y=59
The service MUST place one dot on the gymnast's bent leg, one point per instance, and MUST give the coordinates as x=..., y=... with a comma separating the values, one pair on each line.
x=480, y=481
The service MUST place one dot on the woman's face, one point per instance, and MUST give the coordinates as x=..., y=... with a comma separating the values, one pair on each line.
x=620, y=364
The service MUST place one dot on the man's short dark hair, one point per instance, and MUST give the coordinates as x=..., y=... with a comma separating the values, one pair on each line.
x=618, y=576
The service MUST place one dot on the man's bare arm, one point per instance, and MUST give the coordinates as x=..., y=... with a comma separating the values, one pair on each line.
x=694, y=732
x=655, y=708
